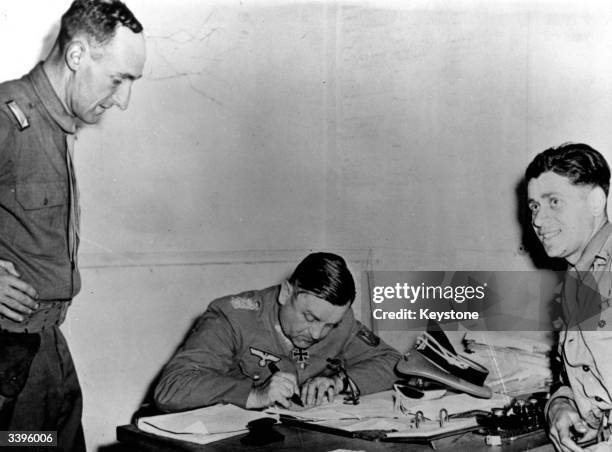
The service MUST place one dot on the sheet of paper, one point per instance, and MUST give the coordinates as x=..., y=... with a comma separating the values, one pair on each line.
x=372, y=406
x=191, y=437
x=381, y=405
x=375, y=412
x=434, y=428
x=203, y=425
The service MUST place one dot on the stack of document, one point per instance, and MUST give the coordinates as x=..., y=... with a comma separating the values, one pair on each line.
x=379, y=405
x=518, y=361
x=203, y=425
x=376, y=412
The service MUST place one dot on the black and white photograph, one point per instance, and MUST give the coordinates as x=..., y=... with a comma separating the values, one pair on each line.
x=280, y=225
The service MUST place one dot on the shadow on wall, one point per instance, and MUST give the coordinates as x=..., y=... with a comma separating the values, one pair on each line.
x=147, y=406
x=531, y=245
x=48, y=41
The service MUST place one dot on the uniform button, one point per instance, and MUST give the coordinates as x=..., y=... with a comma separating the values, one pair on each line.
x=601, y=323
x=45, y=201
x=586, y=368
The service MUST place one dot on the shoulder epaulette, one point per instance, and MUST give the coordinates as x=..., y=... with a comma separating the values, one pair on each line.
x=18, y=114
x=245, y=302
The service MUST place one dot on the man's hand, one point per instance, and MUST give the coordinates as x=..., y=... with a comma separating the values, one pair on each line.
x=318, y=389
x=277, y=389
x=565, y=422
x=17, y=298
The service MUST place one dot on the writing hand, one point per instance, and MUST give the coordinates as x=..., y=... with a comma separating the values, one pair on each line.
x=277, y=389
x=565, y=422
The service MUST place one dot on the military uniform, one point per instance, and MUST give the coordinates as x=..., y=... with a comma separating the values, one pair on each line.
x=229, y=349
x=586, y=340
x=37, y=198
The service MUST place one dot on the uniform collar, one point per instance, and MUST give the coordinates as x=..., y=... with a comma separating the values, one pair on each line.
x=595, y=249
x=50, y=100
x=272, y=294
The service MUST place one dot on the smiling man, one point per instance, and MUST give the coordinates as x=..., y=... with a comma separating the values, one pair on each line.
x=567, y=190
x=266, y=347
x=97, y=56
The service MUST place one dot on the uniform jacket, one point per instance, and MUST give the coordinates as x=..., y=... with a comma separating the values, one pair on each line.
x=231, y=344
x=585, y=345
x=34, y=186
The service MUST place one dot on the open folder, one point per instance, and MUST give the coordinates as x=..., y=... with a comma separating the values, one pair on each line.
x=203, y=425
x=376, y=418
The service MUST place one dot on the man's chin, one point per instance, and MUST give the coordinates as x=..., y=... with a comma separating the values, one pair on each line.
x=94, y=119
x=87, y=121
x=91, y=118
x=552, y=251
x=302, y=344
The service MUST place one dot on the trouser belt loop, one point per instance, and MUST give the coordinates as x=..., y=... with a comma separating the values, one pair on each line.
x=48, y=314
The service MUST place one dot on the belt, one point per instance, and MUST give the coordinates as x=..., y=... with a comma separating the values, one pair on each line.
x=48, y=314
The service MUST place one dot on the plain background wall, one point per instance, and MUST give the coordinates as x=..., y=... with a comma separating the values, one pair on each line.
x=395, y=134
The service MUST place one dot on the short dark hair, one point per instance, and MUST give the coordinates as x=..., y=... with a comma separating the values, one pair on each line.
x=96, y=18
x=326, y=276
x=579, y=162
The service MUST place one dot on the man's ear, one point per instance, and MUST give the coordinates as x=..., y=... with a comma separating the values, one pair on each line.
x=75, y=52
x=597, y=201
x=286, y=291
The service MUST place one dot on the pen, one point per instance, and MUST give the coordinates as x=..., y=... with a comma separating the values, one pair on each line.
x=294, y=398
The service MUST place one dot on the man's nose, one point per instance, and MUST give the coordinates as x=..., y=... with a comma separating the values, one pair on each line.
x=121, y=98
x=316, y=331
x=538, y=217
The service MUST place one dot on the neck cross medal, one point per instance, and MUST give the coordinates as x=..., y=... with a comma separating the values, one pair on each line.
x=301, y=357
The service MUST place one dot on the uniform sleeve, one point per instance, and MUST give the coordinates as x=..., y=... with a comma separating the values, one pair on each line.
x=6, y=126
x=564, y=392
x=370, y=362
x=204, y=371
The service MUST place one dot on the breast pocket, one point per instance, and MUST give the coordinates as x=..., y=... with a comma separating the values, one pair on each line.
x=44, y=217
x=249, y=368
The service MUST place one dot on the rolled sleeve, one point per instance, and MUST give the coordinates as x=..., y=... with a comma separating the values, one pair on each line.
x=564, y=392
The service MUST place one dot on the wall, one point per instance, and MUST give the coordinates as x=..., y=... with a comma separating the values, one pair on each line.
x=439, y=108
x=396, y=132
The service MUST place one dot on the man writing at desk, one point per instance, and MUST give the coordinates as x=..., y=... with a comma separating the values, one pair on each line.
x=273, y=346
x=567, y=191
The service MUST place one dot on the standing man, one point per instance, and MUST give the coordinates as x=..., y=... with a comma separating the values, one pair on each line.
x=98, y=54
x=567, y=194
x=280, y=345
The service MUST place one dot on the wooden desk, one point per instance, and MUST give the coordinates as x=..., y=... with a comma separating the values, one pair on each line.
x=298, y=439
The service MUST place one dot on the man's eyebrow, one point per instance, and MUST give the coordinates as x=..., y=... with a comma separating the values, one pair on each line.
x=544, y=196
x=128, y=76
